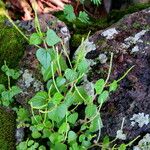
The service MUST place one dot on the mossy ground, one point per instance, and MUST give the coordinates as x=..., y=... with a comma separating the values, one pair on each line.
x=12, y=46
x=7, y=130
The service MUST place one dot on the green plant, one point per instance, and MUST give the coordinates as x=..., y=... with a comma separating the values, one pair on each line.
x=7, y=95
x=55, y=117
x=55, y=111
x=71, y=17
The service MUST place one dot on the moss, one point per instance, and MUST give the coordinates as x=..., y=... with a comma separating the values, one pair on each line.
x=115, y=15
x=12, y=46
x=76, y=39
x=7, y=129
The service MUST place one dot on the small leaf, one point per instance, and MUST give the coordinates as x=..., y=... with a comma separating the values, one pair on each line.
x=63, y=64
x=60, y=81
x=30, y=142
x=96, y=124
x=82, y=137
x=44, y=57
x=72, y=118
x=103, y=97
x=2, y=88
x=56, y=138
x=122, y=147
x=90, y=110
x=36, y=134
x=69, y=13
x=46, y=133
x=39, y=100
x=58, y=114
x=99, y=86
x=52, y=38
x=47, y=73
x=35, y=39
x=106, y=142
x=57, y=98
x=64, y=128
x=83, y=66
x=113, y=86
x=60, y=146
x=71, y=75
x=42, y=147
x=80, y=95
x=71, y=136
x=83, y=17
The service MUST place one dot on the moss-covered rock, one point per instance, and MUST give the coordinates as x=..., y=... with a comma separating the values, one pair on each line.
x=7, y=129
x=12, y=46
x=115, y=15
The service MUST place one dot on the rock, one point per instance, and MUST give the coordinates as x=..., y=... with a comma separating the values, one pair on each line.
x=128, y=39
x=31, y=79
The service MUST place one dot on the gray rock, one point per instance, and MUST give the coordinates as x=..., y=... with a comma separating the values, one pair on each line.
x=131, y=46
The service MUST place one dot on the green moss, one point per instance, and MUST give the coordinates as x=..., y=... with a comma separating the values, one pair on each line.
x=76, y=40
x=115, y=15
x=7, y=129
x=12, y=46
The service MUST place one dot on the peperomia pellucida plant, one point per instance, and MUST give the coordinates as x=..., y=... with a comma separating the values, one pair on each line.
x=64, y=115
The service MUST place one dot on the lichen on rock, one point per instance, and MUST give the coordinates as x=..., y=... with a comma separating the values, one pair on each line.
x=131, y=47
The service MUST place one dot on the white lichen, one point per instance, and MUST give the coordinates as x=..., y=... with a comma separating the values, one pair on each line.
x=135, y=49
x=91, y=62
x=29, y=80
x=109, y=34
x=88, y=86
x=64, y=30
x=143, y=144
x=120, y=135
x=134, y=39
x=38, y=85
x=102, y=58
x=141, y=119
x=86, y=47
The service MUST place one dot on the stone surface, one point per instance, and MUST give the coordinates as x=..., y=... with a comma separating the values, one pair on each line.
x=31, y=79
x=129, y=40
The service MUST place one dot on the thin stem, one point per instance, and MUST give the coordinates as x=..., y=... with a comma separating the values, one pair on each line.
x=99, y=132
x=79, y=93
x=125, y=74
x=65, y=52
x=33, y=113
x=110, y=68
x=53, y=77
x=37, y=24
x=16, y=27
x=58, y=62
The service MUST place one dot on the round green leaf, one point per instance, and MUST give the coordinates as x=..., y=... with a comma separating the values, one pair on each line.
x=99, y=86
x=39, y=100
x=90, y=110
x=51, y=38
x=35, y=39
x=44, y=57
x=71, y=75
x=103, y=97
x=71, y=136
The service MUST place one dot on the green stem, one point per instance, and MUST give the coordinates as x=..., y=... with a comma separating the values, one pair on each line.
x=16, y=27
x=53, y=77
